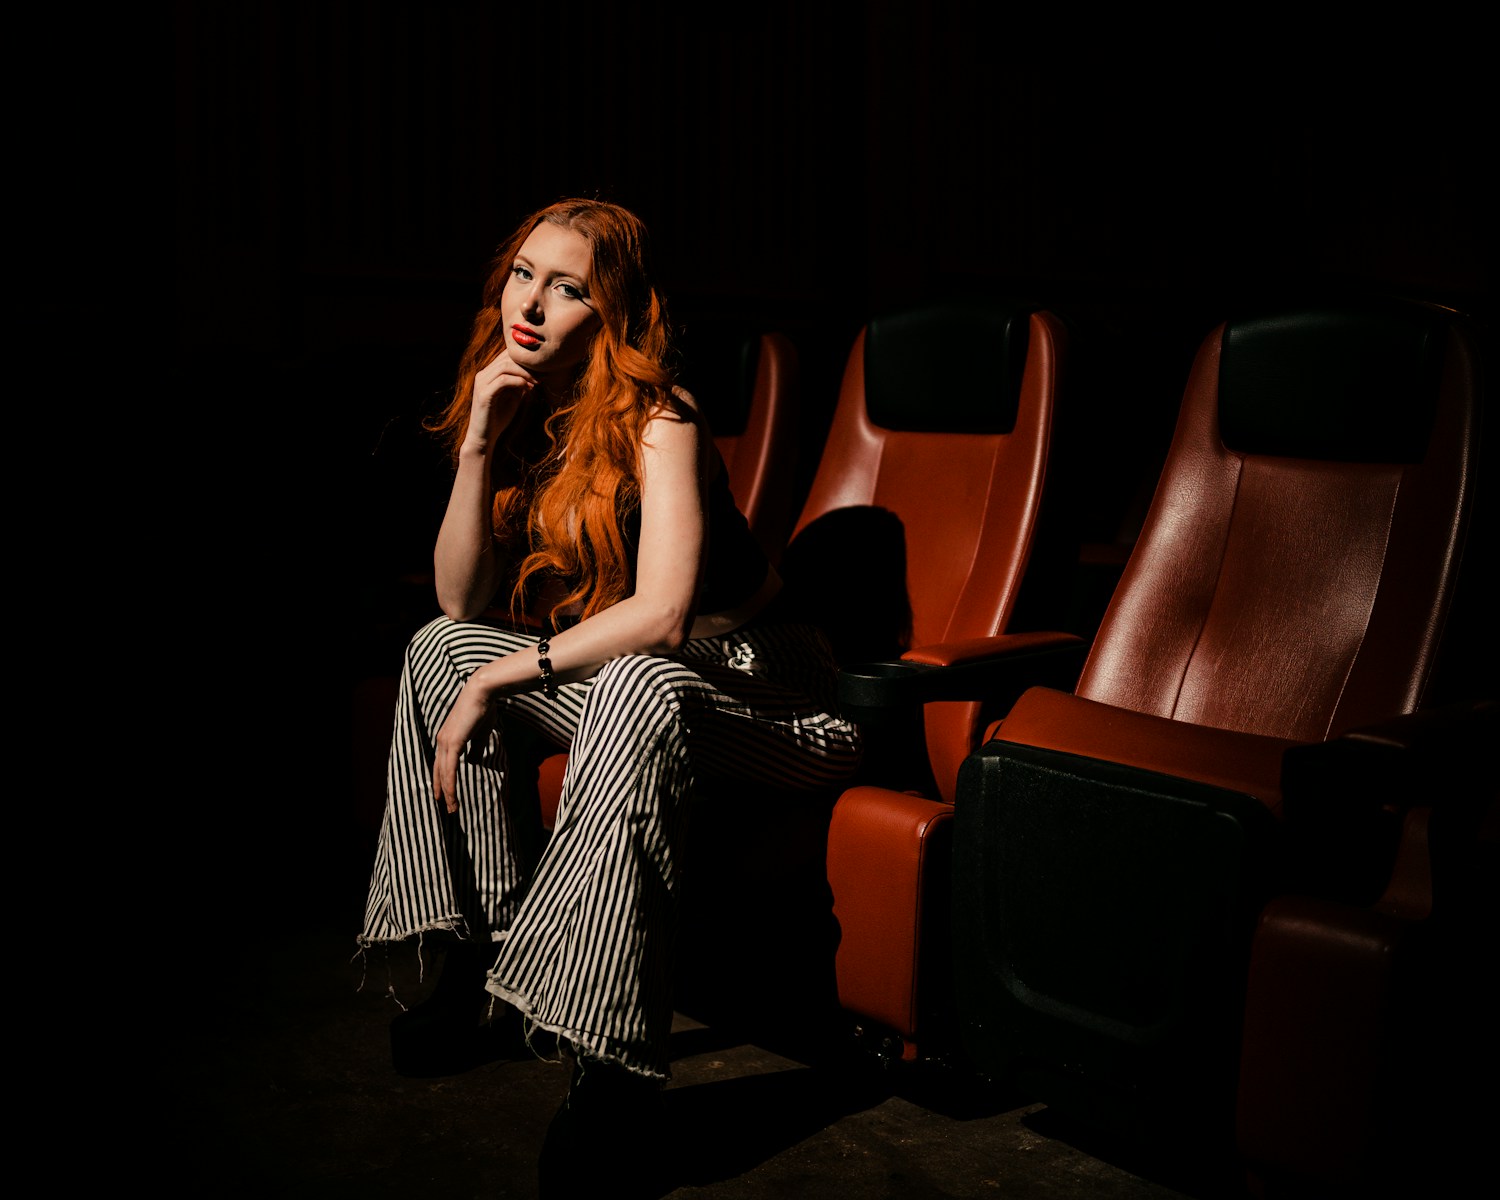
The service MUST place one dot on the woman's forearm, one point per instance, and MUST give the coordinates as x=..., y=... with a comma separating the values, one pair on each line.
x=636, y=625
x=466, y=560
x=467, y=564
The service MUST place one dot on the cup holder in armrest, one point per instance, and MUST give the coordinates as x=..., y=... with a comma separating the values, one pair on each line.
x=869, y=690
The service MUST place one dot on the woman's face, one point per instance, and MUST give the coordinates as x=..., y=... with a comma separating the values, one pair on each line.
x=548, y=314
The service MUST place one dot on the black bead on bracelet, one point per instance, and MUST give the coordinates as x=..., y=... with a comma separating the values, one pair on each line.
x=544, y=648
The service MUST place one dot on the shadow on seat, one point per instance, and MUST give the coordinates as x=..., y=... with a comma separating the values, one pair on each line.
x=919, y=536
x=1219, y=894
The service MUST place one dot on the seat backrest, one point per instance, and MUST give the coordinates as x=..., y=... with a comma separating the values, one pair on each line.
x=921, y=516
x=747, y=380
x=1293, y=574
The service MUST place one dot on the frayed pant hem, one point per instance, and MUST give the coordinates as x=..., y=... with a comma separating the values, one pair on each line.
x=456, y=925
x=591, y=1044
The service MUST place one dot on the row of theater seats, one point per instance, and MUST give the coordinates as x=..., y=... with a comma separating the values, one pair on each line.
x=1219, y=873
x=1231, y=884
x=1222, y=874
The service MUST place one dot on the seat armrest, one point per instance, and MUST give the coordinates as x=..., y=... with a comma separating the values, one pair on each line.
x=995, y=670
x=1396, y=763
x=1345, y=800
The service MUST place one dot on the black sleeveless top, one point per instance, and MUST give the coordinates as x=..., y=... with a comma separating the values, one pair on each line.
x=734, y=564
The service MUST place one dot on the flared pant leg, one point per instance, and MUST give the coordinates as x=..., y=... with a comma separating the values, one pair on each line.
x=463, y=872
x=589, y=954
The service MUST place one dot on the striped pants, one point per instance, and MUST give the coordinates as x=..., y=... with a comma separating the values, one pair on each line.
x=584, y=941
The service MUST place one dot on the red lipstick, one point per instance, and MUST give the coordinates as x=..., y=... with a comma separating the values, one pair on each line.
x=525, y=337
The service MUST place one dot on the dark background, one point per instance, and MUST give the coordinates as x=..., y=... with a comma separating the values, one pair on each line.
x=343, y=170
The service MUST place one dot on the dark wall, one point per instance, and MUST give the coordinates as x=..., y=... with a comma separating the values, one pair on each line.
x=344, y=169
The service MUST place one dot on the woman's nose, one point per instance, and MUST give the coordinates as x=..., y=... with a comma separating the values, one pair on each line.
x=531, y=303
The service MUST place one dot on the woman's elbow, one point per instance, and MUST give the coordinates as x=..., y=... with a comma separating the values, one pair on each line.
x=459, y=608
x=670, y=644
x=668, y=633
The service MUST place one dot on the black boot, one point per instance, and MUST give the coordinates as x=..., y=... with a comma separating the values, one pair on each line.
x=607, y=1139
x=446, y=1034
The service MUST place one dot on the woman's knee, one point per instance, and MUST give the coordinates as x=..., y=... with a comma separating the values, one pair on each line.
x=425, y=638
x=465, y=645
x=644, y=679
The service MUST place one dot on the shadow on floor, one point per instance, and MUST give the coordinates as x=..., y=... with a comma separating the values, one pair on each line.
x=281, y=1085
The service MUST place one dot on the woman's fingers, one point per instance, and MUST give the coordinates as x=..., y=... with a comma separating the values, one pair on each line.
x=503, y=374
x=464, y=723
x=445, y=776
x=500, y=388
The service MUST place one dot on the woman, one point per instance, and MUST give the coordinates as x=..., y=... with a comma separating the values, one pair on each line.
x=587, y=491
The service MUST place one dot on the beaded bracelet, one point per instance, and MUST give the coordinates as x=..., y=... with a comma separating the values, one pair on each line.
x=544, y=648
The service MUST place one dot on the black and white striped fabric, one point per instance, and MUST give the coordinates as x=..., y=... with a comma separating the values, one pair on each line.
x=584, y=940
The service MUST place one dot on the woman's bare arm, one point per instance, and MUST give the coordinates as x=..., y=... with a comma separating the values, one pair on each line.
x=466, y=565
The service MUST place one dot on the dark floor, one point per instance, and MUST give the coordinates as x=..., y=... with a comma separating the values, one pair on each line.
x=281, y=1084
x=287, y=1090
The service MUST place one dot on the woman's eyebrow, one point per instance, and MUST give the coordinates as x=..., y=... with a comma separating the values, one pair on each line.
x=580, y=280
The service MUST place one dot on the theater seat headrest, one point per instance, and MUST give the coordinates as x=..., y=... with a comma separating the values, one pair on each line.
x=718, y=367
x=947, y=369
x=1352, y=383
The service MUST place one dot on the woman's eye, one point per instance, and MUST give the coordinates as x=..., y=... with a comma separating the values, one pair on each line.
x=571, y=292
x=520, y=272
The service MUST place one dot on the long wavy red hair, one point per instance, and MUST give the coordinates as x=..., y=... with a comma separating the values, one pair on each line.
x=566, y=482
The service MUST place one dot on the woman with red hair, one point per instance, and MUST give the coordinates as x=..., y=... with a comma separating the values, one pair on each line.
x=648, y=637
